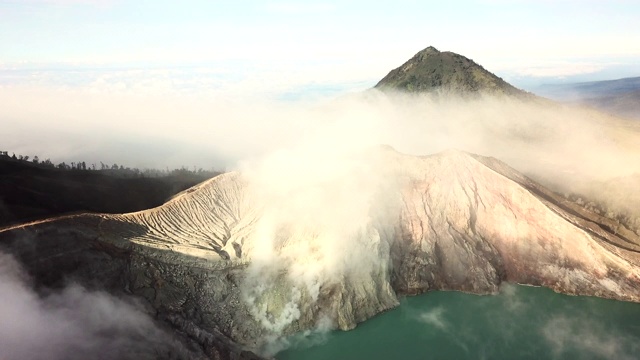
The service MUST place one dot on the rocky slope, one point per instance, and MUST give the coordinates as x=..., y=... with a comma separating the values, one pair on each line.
x=233, y=270
x=431, y=70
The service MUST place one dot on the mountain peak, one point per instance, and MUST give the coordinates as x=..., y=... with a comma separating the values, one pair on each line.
x=432, y=70
x=429, y=50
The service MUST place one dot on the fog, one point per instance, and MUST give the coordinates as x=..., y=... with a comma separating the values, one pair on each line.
x=171, y=130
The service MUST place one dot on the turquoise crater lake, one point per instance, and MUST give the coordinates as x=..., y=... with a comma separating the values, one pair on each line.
x=519, y=323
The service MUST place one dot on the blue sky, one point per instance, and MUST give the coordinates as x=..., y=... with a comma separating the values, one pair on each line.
x=335, y=42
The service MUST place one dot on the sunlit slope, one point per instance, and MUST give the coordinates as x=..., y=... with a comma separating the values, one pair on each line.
x=465, y=223
x=474, y=221
x=212, y=218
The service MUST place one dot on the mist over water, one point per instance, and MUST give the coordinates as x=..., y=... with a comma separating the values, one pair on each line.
x=519, y=323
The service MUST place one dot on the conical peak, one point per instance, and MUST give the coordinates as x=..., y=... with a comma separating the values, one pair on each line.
x=429, y=50
x=432, y=70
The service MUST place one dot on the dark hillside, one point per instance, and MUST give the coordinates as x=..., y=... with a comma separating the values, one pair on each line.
x=31, y=192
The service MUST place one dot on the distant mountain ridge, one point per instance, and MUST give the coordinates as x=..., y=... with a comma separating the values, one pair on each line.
x=431, y=70
x=619, y=97
x=591, y=89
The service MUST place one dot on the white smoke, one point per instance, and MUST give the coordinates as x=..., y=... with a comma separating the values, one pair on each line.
x=327, y=195
x=323, y=218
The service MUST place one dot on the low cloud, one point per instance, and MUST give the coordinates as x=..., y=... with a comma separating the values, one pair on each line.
x=74, y=323
x=158, y=130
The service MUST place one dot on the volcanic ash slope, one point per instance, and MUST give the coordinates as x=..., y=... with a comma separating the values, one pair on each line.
x=251, y=259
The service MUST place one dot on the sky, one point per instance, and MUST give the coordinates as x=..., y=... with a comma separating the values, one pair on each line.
x=95, y=50
x=346, y=43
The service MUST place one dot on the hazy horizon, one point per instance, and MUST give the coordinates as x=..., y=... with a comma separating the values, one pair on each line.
x=155, y=84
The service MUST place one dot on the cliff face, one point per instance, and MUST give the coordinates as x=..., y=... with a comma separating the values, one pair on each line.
x=227, y=267
x=432, y=70
x=475, y=222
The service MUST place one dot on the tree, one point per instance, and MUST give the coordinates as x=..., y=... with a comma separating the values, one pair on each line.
x=36, y=160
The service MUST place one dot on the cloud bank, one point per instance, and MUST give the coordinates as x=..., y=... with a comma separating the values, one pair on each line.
x=172, y=129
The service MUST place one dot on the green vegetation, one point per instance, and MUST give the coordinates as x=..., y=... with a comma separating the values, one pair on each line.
x=31, y=189
x=110, y=169
x=431, y=70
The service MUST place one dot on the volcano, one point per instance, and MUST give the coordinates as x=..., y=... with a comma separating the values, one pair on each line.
x=446, y=72
x=452, y=220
